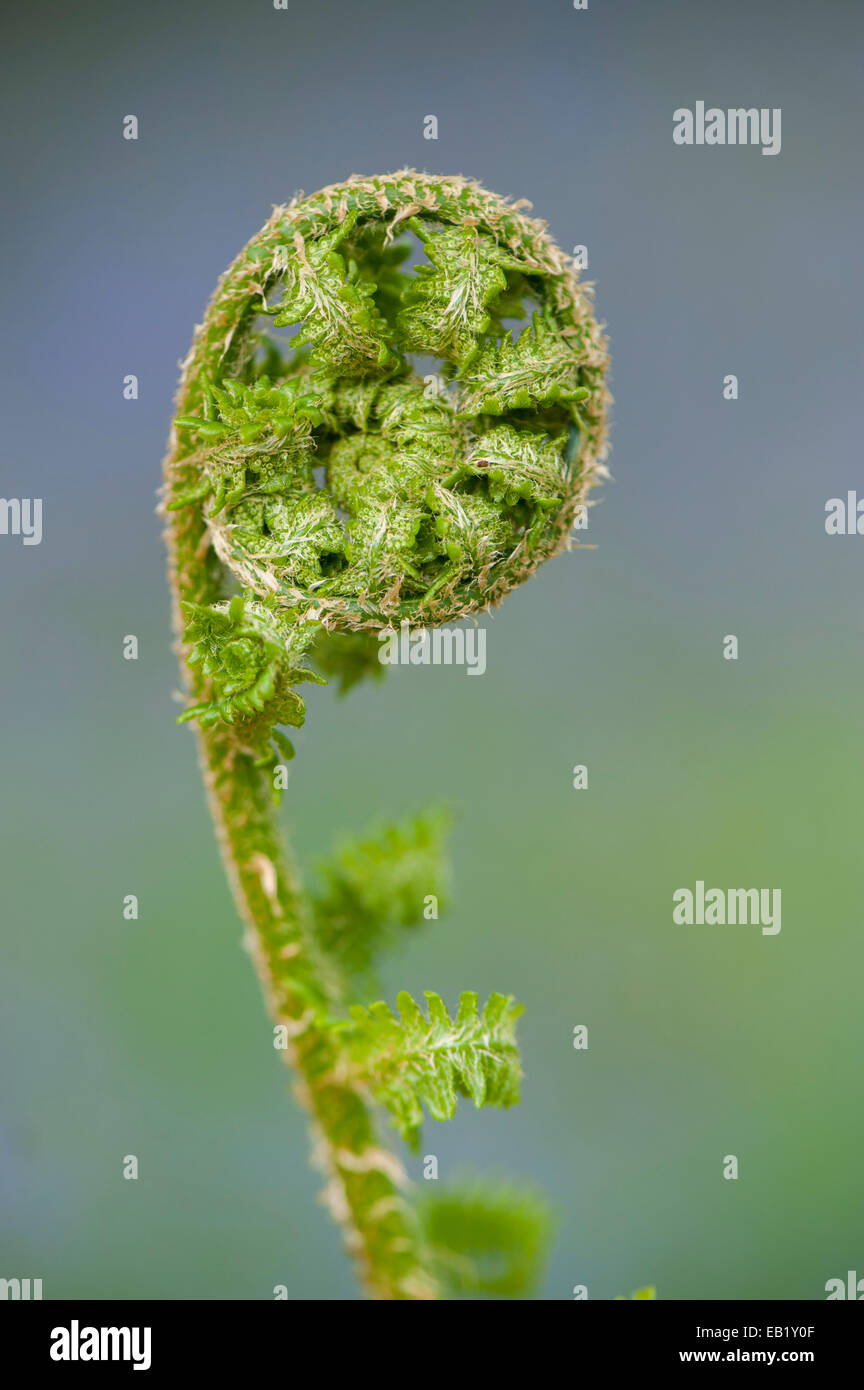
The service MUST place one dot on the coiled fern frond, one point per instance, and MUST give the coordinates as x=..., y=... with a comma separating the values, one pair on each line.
x=323, y=485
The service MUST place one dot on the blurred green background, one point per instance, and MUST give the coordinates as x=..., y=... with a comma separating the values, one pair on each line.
x=149, y=1037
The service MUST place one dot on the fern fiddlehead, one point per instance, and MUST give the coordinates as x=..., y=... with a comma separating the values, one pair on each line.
x=319, y=490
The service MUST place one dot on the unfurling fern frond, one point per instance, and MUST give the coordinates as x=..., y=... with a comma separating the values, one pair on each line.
x=373, y=886
x=540, y=368
x=343, y=496
x=254, y=665
x=487, y=1238
x=447, y=303
x=412, y=1062
x=347, y=658
x=342, y=323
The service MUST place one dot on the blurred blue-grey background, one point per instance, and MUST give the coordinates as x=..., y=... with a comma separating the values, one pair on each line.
x=149, y=1037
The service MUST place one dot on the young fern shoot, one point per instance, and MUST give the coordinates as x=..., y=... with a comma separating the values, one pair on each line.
x=319, y=490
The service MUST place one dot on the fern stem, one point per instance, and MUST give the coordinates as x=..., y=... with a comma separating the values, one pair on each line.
x=364, y=1178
